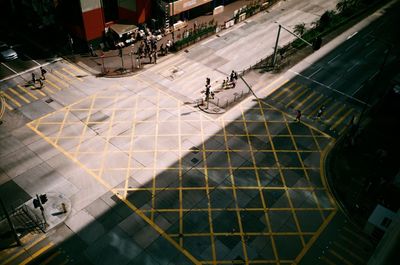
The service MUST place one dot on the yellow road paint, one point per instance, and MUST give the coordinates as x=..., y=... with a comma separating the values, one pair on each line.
x=51, y=257
x=300, y=104
x=18, y=95
x=59, y=80
x=52, y=84
x=333, y=116
x=27, y=92
x=16, y=255
x=276, y=81
x=339, y=121
x=327, y=261
x=63, y=76
x=334, y=253
x=285, y=89
x=312, y=103
x=296, y=97
x=72, y=74
x=16, y=103
x=37, y=253
x=80, y=71
x=366, y=241
x=349, y=252
x=38, y=90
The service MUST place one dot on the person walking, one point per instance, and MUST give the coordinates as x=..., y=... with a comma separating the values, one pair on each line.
x=40, y=83
x=91, y=50
x=319, y=113
x=298, y=116
x=43, y=73
x=33, y=78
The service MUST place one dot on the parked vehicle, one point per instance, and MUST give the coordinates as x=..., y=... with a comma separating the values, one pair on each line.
x=7, y=53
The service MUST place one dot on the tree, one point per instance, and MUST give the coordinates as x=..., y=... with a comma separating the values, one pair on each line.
x=299, y=29
x=326, y=19
x=347, y=6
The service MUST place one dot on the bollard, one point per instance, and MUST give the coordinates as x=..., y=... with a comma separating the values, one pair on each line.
x=226, y=105
x=234, y=98
x=218, y=102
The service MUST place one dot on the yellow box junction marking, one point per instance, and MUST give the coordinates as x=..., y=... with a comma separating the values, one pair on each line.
x=93, y=104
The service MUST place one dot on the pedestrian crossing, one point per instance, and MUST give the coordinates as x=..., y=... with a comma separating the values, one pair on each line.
x=57, y=79
x=336, y=116
x=351, y=247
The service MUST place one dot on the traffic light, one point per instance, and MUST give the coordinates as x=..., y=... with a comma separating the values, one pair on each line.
x=36, y=203
x=43, y=198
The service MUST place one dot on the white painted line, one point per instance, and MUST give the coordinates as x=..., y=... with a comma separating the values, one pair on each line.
x=32, y=59
x=315, y=72
x=373, y=76
x=352, y=35
x=9, y=68
x=369, y=42
x=371, y=52
x=28, y=70
x=334, y=81
x=351, y=68
x=355, y=92
x=334, y=58
x=351, y=46
x=330, y=88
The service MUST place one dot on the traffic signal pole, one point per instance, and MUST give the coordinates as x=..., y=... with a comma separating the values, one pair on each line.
x=277, y=41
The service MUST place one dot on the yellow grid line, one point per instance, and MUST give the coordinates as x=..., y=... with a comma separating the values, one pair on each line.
x=239, y=219
x=131, y=144
x=210, y=222
x=180, y=178
x=37, y=253
x=234, y=209
x=153, y=193
x=304, y=170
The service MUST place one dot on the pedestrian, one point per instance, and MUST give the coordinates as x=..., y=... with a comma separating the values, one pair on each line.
x=298, y=116
x=150, y=57
x=155, y=56
x=320, y=112
x=232, y=76
x=40, y=83
x=91, y=50
x=43, y=72
x=33, y=78
x=235, y=76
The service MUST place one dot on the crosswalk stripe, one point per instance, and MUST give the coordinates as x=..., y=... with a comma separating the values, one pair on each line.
x=80, y=71
x=72, y=74
x=347, y=250
x=326, y=260
x=297, y=97
x=7, y=106
x=310, y=96
x=12, y=100
x=318, y=106
x=18, y=95
x=357, y=235
x=27, y=92
x=339, y=121
x=38, y=90
x=63, y=76
x=47, y=88
x=340, y=109
x=340, y=257
x=285, y=89
x=37, y=253
x=58, y=79
x=54, y=85
x=313, y=103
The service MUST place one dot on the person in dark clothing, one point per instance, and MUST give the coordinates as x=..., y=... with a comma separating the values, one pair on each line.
x=43, y=72
x=298, y=116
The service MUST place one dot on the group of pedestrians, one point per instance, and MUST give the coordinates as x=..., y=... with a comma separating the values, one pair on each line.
x=230, y=81
x=41, y=78
x=317, y=116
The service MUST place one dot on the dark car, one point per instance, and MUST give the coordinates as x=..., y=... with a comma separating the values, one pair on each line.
x=7, y=53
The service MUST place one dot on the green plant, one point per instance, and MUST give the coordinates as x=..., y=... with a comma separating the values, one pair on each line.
x=299, y=29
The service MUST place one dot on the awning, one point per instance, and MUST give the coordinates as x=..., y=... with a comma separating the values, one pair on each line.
x=122, y=29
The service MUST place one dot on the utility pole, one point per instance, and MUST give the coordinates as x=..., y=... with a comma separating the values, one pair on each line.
x=276, y=46
x=14, y=232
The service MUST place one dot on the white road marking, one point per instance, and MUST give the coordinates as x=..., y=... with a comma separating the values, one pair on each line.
x=334, y=58
x=334, y=81
x=371, y=52
x=355, y=92
x=351, y=46
x=352, y=35
x=32, y=59
x=351, y=68
x=373, y=76
x=330, y=88
x=9, y=68
x=315, y=72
